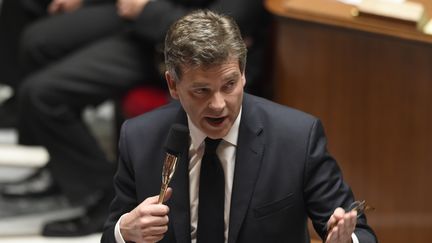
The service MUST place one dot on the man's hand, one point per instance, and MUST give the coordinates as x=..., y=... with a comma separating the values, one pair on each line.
x=340, y=226
x=63, y=6
x=148, y=222
x=130, y=9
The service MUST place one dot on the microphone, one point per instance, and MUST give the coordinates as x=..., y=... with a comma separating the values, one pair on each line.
x=178, y=136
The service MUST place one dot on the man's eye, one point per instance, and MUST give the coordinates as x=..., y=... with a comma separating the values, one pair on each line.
x=230, y=85
x=200, y=91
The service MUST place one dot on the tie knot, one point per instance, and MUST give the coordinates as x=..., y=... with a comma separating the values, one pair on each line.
x=211, y=145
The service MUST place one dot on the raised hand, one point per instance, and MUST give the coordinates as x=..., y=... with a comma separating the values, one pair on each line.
x=148, y=222
x=341, y=225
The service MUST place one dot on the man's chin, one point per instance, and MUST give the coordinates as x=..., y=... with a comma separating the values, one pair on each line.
x=215, y=133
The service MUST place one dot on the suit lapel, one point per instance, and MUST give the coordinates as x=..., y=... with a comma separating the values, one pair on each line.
x=250, y=149
x=179, y=202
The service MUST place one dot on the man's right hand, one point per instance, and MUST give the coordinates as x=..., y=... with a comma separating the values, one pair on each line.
x=130, y=9
x=148, y=222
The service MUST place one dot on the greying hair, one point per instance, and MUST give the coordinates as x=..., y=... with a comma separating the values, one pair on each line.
x=203, y=39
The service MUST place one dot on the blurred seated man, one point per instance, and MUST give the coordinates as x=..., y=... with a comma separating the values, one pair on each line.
x=13, y=18
x=249, y=170
x=84, y=56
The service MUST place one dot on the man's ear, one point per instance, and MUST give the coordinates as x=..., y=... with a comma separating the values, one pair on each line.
x=244, y=78
x=172, y=85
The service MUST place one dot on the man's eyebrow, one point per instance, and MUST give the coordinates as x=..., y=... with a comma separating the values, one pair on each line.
x=199, y=84
x=232, y=76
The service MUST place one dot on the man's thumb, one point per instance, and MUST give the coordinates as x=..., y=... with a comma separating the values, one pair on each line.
x=168, y=194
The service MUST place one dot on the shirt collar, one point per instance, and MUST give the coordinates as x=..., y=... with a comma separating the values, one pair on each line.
x=197, y=136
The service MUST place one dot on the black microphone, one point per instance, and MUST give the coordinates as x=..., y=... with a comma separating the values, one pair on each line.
x=178, y=137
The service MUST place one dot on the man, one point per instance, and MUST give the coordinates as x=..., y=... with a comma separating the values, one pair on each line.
x=276, y=169
x=85, y=53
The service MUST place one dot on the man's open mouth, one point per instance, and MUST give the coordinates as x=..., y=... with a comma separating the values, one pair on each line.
x=215, y=120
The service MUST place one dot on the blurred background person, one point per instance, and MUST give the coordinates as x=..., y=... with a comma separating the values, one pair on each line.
x=13, y=18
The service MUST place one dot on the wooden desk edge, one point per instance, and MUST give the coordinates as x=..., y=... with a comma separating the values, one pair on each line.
x=339, y=14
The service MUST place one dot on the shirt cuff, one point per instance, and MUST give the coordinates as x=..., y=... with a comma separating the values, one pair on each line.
x=117, y=234
x=354, y=238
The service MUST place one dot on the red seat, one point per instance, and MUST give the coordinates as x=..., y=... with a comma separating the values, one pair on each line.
x=143, y=99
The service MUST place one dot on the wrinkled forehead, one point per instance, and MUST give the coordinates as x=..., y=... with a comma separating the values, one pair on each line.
x=205, y=67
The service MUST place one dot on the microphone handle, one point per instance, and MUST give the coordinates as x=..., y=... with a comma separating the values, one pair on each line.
x=163, y=190
x=168, y=170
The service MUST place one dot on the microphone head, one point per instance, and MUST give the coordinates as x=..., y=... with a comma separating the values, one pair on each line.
x=178, y=137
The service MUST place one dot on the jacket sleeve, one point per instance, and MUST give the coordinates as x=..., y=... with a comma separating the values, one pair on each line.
x=158, y=15
x=124, y=185
x=325, y=189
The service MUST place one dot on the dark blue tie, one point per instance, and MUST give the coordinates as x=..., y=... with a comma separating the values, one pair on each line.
x=211, y=196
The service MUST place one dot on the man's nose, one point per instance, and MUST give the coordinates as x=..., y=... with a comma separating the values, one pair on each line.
x=217, y=101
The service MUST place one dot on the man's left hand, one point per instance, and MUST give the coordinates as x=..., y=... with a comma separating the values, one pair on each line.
x=340, y=226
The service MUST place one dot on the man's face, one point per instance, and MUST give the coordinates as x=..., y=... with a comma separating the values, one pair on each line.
x=211, y=96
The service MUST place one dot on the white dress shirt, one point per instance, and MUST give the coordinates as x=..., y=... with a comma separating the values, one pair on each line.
x=226, y=152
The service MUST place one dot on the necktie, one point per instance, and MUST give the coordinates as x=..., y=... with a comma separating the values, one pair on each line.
x=211, y=196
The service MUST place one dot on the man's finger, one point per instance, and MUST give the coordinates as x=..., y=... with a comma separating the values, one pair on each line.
x=332, y=235
x=151, y=200
x=339, y=213
x=168, y=194
x=154, y=199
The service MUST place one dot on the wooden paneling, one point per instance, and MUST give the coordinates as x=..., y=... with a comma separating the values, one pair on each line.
x=373, y=93
x=332, y=12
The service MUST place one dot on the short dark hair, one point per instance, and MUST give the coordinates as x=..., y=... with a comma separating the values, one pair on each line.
x=202, y=39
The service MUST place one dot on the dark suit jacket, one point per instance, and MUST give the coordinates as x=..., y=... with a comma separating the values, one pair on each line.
x=283, y=174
